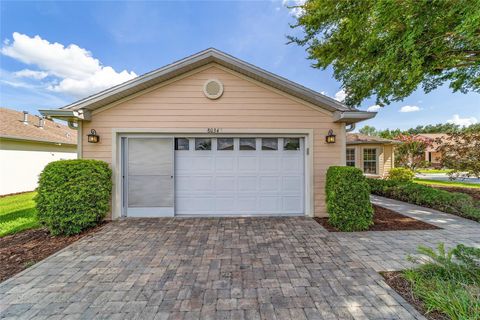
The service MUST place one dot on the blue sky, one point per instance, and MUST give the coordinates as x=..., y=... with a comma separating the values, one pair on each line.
x=53, y=53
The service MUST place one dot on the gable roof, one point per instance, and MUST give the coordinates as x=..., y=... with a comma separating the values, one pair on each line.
x=358, y=138
x=13, y=127
x=211, y=55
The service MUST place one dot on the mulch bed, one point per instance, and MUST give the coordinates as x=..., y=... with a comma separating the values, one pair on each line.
x=403, y=287
x=386, y=220
x=474, y=193
x=22, y=250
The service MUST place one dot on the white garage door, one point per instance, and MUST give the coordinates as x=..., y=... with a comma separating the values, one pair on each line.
x=239, y=176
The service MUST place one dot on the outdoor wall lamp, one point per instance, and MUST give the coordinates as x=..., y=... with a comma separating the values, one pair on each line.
x=330, y=138
x=93, y=137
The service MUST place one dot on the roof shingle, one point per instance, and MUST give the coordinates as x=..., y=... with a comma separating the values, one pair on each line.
x=12, y=126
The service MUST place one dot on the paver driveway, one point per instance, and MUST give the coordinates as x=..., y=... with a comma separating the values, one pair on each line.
x=215, y=268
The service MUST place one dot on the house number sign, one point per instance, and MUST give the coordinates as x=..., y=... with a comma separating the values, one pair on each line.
x=213, y=130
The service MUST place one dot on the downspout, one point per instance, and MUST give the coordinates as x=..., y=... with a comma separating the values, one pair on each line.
x=352, y=127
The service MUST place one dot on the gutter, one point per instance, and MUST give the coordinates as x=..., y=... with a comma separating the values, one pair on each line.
x=14, y=138
x=71, y=116
x=352, y=117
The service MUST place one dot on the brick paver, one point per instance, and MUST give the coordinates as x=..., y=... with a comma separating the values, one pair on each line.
x=225, y=268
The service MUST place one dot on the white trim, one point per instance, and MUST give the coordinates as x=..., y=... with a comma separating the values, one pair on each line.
x=80, y=139
x=118, y=133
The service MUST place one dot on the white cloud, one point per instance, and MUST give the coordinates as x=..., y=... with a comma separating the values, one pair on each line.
x=297, y=12
x=27, y=73
x=464, y=122
x=340, y=95
x=78, y=73
x=374, y=108
x=409, y=109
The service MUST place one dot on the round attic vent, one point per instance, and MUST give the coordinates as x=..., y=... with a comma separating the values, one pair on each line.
x=213, y=89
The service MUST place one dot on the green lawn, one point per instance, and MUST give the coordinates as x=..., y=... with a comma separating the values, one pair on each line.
x=17, y=213
x=447, y=183
x=434, y=170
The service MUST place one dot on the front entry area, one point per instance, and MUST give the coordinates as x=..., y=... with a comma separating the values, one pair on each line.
x=213, y=176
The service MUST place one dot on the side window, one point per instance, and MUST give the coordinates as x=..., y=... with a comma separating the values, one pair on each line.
x=370, y=161
x=291, y=144
x=351, y=157
x=248, y=144
x=269, y=144
x=182, y=144
x=225, y=144
x=203, y=144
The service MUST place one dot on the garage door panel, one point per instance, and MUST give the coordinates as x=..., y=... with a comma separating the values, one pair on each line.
x=292, y=204
x=269, y=164
x=269, y=203
x=225, y=184
x=293, y=183
x=224, y=163
x=202, y=163
x=269, y=183
x=246, y=204
x=245, y=182
x=143, y=191
x=247, y=163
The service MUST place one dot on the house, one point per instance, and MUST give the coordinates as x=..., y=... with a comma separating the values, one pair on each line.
x=212, y=135
x=375, y=156
x=27, y=144
x=432, y=155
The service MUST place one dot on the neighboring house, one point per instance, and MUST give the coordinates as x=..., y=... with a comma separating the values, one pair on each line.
x=432, y=155
x=375, y=156
x=27, y=144
x=212, y=135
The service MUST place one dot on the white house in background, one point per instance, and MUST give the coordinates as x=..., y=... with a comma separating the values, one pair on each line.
x=27, y=144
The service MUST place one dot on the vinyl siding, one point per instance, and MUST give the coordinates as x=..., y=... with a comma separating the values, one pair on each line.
x=245, y=104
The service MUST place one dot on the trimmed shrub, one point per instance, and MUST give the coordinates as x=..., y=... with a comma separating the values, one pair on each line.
x=348, y=199
x=401, y=174
x=456, y=203
x=73, y=195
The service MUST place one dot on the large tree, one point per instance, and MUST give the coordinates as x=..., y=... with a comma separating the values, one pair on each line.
x=387, y=48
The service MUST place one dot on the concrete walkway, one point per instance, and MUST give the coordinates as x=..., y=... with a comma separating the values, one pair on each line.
x=227, y=268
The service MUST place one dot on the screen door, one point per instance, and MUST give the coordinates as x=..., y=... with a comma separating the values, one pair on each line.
x=149, y=177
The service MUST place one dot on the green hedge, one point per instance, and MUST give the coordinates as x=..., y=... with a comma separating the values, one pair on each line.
x=401, y=174
x=73, y=195
x=348, y=199
x=450, y=202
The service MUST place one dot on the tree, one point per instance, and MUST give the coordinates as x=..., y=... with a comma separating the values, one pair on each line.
x=387, y=49
x=461, y=153
x=411, y=153
x=369, y=131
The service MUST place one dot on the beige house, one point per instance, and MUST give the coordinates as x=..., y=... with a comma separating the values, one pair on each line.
x=432, y=155
x=27, y=144
x=375, y=156
x=212, y=135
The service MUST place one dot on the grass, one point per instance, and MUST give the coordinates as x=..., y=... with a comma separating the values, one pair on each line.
x=447, y=183
x=434, y=170
x=449, y=282
x=17, y=213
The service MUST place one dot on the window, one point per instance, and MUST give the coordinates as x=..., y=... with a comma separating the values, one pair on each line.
x=203, y=144
x=248, y=144
x=182, y=144
x=370, y=161
x=269, y=144
x=291, y=144
x=351, y=157
x=225, y=144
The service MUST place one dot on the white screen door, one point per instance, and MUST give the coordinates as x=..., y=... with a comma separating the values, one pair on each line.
x=149, y=174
